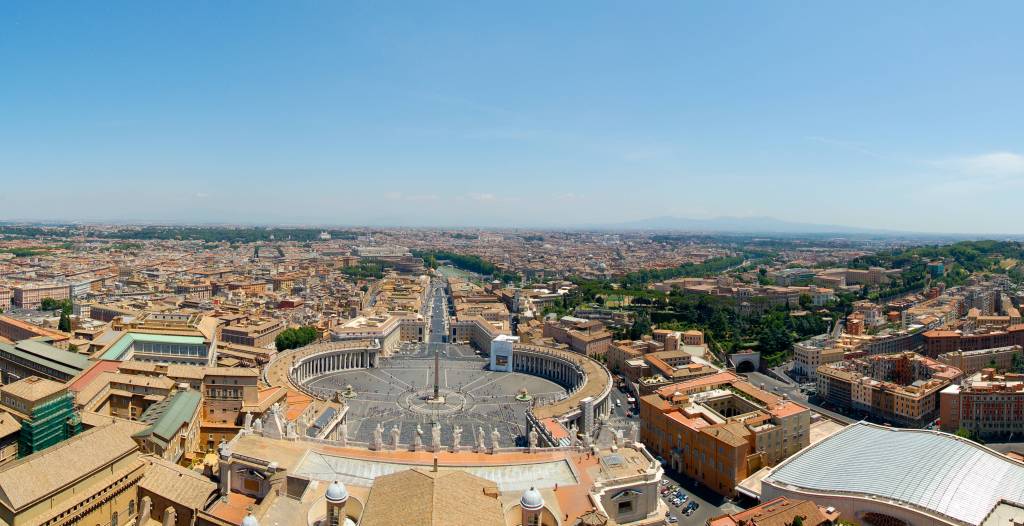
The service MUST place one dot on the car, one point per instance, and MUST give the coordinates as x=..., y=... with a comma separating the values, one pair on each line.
x=672, y=519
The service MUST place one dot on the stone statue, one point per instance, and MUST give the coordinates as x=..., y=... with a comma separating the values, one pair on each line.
x=417, y=441
x=257, y=426
x=343, y=434
x=533, y=436
x=495, y=437
x=634, y=432
x=617, y=437
x=248, y=421
x=574, y=435
x=291, y=430
x=395, y=434
x=378, y=437
x=435, y=437
x=481, y=441
x=276, y=408
x=456, y=437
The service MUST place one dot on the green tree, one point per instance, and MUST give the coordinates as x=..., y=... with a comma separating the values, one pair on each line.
x=641, y=326
x=296, y=337
x=797, y=521
x=965, y=433
x=65, y=322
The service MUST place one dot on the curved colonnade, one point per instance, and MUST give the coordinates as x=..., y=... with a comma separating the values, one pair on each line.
x=586, y=381
x=297, y=366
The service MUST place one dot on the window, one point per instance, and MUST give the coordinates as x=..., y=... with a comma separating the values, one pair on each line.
x=131, y=507
x=113, y=519
x=625, y=507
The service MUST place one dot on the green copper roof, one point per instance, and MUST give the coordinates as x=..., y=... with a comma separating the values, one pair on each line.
x=47, y=355
x=168, y=415
x=116, y=351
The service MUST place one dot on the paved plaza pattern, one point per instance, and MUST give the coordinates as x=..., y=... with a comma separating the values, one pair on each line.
x=397, y=392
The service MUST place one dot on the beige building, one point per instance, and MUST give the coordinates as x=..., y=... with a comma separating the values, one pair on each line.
x=31, y=295
x=253, y=332
x=582, y=336
x=970, y=362
x=90, y=479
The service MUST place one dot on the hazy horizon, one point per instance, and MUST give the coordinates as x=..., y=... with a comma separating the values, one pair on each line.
x=878, y=116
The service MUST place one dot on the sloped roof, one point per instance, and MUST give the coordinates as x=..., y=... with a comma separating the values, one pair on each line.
x=167, y=416
x=175, y=483
x=417, y=497
x=929, y=471
x=26, y=480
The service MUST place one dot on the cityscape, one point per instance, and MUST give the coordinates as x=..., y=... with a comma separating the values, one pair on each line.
x=344, y=264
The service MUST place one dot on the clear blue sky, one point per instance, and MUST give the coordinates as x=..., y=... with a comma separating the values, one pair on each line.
x=906, y=115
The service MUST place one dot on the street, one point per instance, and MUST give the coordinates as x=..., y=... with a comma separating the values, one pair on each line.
x=792, y=390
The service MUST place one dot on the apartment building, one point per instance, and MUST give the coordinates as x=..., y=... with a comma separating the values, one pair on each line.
x=901, y=388
x=970, y=362
x=31, y=295
x=988, y=405
x=582, y=336
x=719, y=429
x=938, y=342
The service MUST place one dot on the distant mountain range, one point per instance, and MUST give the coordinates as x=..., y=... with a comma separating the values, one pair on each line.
x=752, y=225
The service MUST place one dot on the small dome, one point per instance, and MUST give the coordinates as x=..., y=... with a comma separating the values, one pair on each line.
x=336, y=492
x=250, y=520
x=531, y=500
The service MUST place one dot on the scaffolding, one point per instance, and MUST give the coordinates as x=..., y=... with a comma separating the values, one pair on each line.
x=50, y=423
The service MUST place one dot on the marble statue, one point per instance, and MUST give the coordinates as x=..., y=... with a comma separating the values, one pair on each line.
x=378, y=437
x=456, y=437
x=395, y=434
x=617, y=437
x=495, y=438
x=343, y=434
x=634, y=432
x=435, y=437
x=533, y=438
x=417, y=441
x=574, y=435
x=481, y=441
x=248, y=422
x=257, y=426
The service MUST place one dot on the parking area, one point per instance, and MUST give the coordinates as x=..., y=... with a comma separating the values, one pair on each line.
x=689, y=503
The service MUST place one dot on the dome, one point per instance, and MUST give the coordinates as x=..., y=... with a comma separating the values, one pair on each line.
x=250, y=520
x=531, y=500
x=336, y=492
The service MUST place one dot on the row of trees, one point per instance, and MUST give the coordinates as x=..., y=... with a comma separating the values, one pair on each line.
x=296, y=337
x=687, y=270
x=467, y=262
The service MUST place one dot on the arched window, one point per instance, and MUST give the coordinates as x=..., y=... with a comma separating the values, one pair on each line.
x=131, y=507
x=113, y=519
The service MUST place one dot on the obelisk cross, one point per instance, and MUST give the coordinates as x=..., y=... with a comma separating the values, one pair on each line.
x=437, y=373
